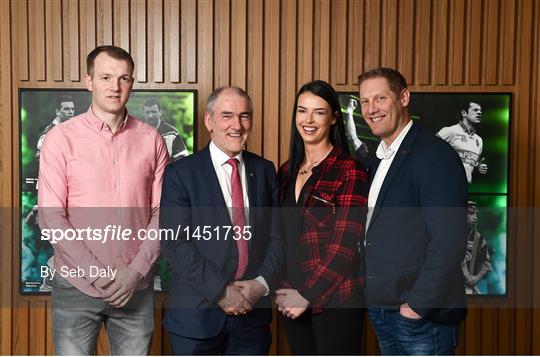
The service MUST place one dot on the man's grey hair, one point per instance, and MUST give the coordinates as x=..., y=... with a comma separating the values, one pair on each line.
x=212, y=98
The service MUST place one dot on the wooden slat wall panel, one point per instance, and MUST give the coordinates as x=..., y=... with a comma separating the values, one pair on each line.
x=440, y=42
x=71, y=55
x=222, y=34
x=255, y=85
x=287, y=83
x=138, y=33
x=491, y=42
x=406, y=39
x=238, y=43
x=7, y=12
x=189, y=41
x=271, y=48
x=389, y=33
x=356, y=48
x=508, y=41
x=304, y=59
x=423, y=43
x=37, y=53
x=155, y=32
x=372, y=34
x=122, y=26
x=272, y=20
x=172, y=41
x=322, y=40
x=104, y=23
x=339, y=44
x=457, y=41
x=474, y=28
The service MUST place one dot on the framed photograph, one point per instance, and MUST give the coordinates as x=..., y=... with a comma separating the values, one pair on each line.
x=172, y=113
x=477, y=126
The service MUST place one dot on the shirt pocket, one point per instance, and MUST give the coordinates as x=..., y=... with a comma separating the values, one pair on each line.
x=320, y=210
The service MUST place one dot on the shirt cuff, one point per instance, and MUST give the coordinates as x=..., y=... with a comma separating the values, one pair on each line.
x=261, y=280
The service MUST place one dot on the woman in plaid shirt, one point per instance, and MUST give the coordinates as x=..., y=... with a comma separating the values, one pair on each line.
x=323, y=194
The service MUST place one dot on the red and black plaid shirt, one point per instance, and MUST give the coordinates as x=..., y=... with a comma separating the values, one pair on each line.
x=333, y=226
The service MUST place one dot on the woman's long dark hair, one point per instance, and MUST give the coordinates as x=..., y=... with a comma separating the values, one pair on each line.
x=337, y=130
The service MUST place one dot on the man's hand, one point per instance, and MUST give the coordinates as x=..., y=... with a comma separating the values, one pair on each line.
x=290, y=303
x=101, y=284
x=251, y=289
x=233, y=302
x=118, y=293
x=482, y=167
x=406, y=311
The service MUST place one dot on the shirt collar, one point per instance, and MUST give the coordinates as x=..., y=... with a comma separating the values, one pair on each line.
x=384, y=152
x=220, y=157
x=471, y=131
x=99, y=124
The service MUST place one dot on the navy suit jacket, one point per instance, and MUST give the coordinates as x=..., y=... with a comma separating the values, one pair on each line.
x=204, y=262
x=416, y=239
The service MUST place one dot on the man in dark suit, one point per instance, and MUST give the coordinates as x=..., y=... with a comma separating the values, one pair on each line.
x=416, y=230
x=220, y=202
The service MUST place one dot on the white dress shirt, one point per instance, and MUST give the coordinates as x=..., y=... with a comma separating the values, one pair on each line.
x=386, y=154
x=223, y=171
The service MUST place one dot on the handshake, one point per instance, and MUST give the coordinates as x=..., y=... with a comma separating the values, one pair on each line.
x=240, y=296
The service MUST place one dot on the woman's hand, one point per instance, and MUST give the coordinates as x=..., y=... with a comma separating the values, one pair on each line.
x=290, y=303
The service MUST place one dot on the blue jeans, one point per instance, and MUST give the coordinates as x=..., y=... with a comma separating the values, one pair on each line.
x=399, y=335
x=77, y=318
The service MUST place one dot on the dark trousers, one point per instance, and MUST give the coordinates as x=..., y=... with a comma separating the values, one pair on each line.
x=336, y=331
x=237, y=337
x=399, y=335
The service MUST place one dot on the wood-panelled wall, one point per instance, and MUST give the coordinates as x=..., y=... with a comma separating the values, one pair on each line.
x=271, y=48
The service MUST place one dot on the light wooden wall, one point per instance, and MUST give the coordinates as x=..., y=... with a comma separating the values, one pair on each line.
x=271, y=48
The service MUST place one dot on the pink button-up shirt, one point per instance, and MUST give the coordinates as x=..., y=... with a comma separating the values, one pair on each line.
x=90, y=177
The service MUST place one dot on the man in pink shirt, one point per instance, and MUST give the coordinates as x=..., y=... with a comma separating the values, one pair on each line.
x=100, y=185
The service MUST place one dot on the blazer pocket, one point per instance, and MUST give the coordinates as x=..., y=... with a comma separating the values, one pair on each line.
x=320, y=210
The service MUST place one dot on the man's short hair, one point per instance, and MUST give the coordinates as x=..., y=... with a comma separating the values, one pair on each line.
x=217, y=92
x=62, y=99
x=465, y=106
x=395, y=80
x=152, y=101
x=113, y=51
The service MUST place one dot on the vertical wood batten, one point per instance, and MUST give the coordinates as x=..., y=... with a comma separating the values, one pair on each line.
x=22, y=30
x=508, y=42
x=271, y=80
x=474, y=41
x=172, y=53
x=139, y=34
x=71, y=34
x=37, y=328
x=457, y=41
x=423, y=42
x=372, y=41
x=20, y=328
x=322, y=40
x=491, y=42
x=339, y=48
x=38, y=54
x=356, y=21
x=87, y=18
x=206, y=61
x=440, y=42
x=155, y=10
x=304, y=65
x=255, y=66
x=389, y=33
x=122, y=26
x=8, y=16
x=222, y=45
x=238, y=43
x=55, y=22
x=406, y=48
x=104, y=23
x=189, y=51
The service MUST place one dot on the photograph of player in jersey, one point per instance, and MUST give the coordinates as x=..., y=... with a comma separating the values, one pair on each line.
x=476, y=125
x=172, y=113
